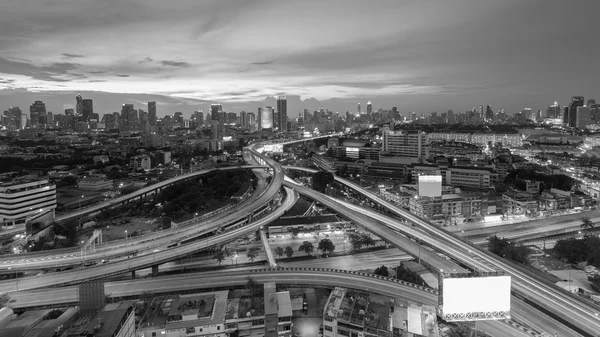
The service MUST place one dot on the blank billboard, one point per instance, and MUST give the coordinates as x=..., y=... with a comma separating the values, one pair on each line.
x=430, y=186
x=475, y=298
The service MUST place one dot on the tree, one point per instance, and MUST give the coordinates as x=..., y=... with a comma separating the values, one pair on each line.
x=219, y=256
x=383, y=271
x=367, y=240
x=279, y=251
x=586, y=223
x=508, y=249
x=306, y=247
x=326, y=246
x=252, y=253
x=4, y=300
x=146, y=297
x=321, y=179
x=289, y=252
x=254, y=288
x=463, y=330
x=356, y=241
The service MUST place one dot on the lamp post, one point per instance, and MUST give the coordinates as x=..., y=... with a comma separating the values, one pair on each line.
x=80, y=202
x=125, y=235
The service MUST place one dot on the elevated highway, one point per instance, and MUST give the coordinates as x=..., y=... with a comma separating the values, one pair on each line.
x=582, y=313
x=141, y=193
x=393, y=288
x=185, y=231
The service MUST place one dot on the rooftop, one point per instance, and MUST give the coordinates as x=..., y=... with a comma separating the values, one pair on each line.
x=305, y=220
x=212, y=311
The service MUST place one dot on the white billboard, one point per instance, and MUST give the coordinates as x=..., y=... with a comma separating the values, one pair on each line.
x=475, y=298
x=430, y=186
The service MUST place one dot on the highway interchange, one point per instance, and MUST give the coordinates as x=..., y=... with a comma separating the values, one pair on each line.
x=581, y=313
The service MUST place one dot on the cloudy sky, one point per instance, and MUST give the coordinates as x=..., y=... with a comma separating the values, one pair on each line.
x=425, y=55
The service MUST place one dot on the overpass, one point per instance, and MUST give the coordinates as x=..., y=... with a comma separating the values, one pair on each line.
x=185, y=231
x=322, y=277
x=582, y=313
x=148, y=190
x=155, y=258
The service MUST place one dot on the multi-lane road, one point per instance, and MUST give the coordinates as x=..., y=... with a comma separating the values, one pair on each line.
x=581, y=313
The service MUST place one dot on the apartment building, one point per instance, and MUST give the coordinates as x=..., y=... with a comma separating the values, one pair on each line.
x=142, y=162
x=404, y=147
x=20, y=200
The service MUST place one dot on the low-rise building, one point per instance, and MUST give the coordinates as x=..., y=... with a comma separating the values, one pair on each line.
x=95, y=184
x=101, y=159
x=350, y=313
x=141, y=162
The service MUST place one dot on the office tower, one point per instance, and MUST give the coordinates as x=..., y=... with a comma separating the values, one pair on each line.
x=50, y=118
x=231, y=117
x=395, y=113
x=489, y=113
x=450, y=116
x=243, y=121
x=37, y=114
x=282, y=113
x=565, y=115
x=576, y=102
x=78, y=105
x=413, y=116
x=199, y=118
x=369, y=108
x=216, y=121
x=265, y=118
x=87, y=109
x=178, y=118
x=553, y=111
x=152, y=113
x=307, y=116
x=359, y=108
x=127, y=122
x=17, y=116
x=591, y=102
x=583, y=117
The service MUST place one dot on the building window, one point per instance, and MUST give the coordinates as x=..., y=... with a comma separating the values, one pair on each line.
x=154, y=334
x=343, y=332
x=328, y=319
x=328, y=328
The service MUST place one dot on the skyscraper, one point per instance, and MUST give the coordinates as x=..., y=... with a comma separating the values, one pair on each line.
x=369, y=108
x=78, y=105
x=583, y=117
x=282, y=110
x=152, y=113
x=243, y=121
x=359, y=108
x=576, y=102
x=265, y=118
x=127, y=111
x=37, y=114
x=87, y=109
x=216, y=121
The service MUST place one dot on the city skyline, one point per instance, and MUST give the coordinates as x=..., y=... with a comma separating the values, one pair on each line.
x=332, y=54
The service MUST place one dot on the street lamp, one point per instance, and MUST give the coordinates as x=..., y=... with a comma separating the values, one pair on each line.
x=125, y=235
x=80, y=202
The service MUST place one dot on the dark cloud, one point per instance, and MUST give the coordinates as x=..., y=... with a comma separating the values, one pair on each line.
x=239, y=93
x=263, y=63
x=120, y=75
x=178, y=64
x=97, y=72
x=6, y=81
x=97, y=81
x=45, y=73
x=71, y=56
x=146, y=60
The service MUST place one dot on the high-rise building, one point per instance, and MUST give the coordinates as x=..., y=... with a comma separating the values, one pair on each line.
x=78, y=105
x=243, y=121
x=553, y=111
x=152, y=113
x=265, y=118
x=489, y=113
x=369, y=108
x=217, y=121
x=576, y=102
x=37, y=114
x=583, y=117
x=282, y=111
x=127, y=121
x=87, y=109
x=20, y=200
x=359, y=108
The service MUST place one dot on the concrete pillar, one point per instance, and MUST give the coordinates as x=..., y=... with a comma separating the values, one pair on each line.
x=154, y=270
x=250, y=218
x=133, y=274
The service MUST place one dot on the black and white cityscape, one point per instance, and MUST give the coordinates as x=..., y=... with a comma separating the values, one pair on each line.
x=223, y=168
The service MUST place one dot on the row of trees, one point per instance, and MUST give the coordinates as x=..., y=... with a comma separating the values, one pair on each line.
x=574, y=250
x=508, y=249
